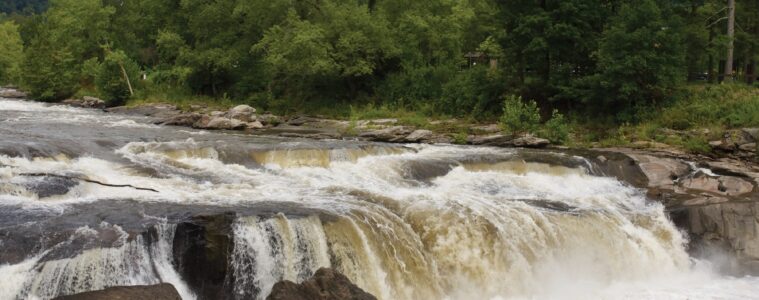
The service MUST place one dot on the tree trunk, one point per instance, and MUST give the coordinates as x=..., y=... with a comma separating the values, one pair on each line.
x=731, y=38
x=126, y=77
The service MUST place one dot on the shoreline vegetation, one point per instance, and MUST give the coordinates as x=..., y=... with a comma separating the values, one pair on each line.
x=641, y=74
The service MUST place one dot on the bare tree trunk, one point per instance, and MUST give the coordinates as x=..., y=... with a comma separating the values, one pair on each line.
x=126, y=77
x=731, y=37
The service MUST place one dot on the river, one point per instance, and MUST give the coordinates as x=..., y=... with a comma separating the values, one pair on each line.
x=90, y=200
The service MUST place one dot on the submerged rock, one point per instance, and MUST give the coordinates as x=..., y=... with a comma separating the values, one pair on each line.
x=163, y=291
x=326, y=284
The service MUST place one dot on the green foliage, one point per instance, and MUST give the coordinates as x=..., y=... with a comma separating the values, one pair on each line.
x=519, y=116
x=11, y=52
x=110, y=79
x=556, y=129
x=640, y=56
x=48, y=73
x=474, y=92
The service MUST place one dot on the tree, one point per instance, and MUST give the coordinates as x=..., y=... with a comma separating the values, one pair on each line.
x=341, y=46
x=49, y=72
x=114, y=77
x=641, y=57
x=11, y=52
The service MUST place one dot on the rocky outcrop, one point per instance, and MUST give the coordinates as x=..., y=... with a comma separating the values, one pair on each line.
x=503, y=140
x=740, y=143
x=85, y=102
x=715, y=201
x=326, y=284
x=11, y=93
x=395, y=134
x=162, y=291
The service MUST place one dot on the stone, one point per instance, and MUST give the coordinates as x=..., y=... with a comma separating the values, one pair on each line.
x=255, y=125
x=752, y=132
x=186, y=119
x=491, y=140
x=326, y=284
x=702, y=183
x=12, y=93
x=219, y=123
x=660, y=171
x=529, y=141
x=488, y=129
x=750, y=147
x=163, y=291
x=419, y=135
x=734, y=186
x=269, y=119
x=242, y=112
x=390, y=134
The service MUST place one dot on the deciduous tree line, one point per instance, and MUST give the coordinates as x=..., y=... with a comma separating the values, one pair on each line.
x=456, y=57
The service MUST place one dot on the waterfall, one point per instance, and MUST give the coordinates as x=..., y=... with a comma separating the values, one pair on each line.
x=400, y=221
x=130, y=262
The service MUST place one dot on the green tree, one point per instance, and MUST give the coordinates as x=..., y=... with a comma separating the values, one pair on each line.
x=11, y=52
x=114, y=77
x=48, y=72
x=641, y=57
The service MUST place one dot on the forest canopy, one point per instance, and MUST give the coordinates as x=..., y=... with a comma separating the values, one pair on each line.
x=453, y=57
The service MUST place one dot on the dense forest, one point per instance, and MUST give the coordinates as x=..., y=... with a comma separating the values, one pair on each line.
x=449, y=57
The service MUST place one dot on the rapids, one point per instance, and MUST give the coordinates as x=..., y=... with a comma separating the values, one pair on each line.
x=401, y=221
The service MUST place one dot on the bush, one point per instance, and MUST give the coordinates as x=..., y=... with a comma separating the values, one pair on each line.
x=556, y=129
x=518, y=116
x=110, y=79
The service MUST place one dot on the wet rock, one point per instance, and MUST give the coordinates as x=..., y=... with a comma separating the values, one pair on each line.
x=46, y=186
x=391, y=134
x=530, y=141
x=242, y=112
x=163, y=291
x=660, y=172
x=730, y=226
x=160, y=111
x=419, y=135
x=186, y=119
x=491, y=140
x=12, y=93
x=86, y=102
x=326, y=284
x=202, y=252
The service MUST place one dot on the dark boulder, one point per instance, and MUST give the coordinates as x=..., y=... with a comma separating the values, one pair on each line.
x=163, y=291
x=326, y=284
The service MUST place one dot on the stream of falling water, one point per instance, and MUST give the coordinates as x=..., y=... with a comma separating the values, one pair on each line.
x=402, y=222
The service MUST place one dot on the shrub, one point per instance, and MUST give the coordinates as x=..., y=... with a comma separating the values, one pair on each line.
x=519, y=116
x=556, y=129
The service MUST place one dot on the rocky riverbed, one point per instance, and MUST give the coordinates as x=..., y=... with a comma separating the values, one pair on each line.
x=93, y=199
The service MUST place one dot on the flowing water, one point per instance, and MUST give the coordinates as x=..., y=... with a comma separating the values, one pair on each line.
x=90, y=200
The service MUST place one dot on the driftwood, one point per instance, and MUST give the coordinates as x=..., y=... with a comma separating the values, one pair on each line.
x=87, y=180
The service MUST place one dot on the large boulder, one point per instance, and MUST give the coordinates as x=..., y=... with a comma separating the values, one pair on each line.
x=420, y=135
x=163, y=291
x=85, y=102
x=242, y=112
x=326, y=284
